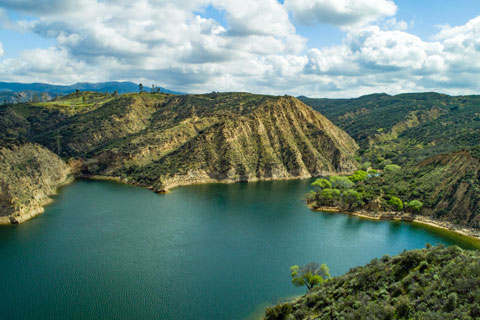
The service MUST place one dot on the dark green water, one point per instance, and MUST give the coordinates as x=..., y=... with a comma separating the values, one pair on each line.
x=110, y=251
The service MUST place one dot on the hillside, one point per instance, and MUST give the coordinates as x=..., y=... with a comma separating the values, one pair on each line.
x=433, y=283
x=160, y=141
x=29, y=175
x=434, y=138
x=405, y=128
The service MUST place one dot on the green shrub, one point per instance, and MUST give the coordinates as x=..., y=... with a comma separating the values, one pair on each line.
x=415, y=206
x=341, y=182
x=395, y=203
x=322, y=183
x=392, y=167
x=358, y=175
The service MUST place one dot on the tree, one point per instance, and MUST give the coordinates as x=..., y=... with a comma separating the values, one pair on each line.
x=352, y=198
x=396, y=203
x=392, y=167
x=341, y=182
x=322, y=183
x=115, y=93
x=366, y=165
x=415, y=206
x=328, y=196
x=140, y=88
x=309, y=275
x=358, y=175
x=153, y=88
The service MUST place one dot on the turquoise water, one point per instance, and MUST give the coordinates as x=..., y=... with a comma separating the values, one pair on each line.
x=111, y=251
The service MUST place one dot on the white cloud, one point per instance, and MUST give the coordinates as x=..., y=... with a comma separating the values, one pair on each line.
x=258, y=50
x=344, y=13
x=2, y=52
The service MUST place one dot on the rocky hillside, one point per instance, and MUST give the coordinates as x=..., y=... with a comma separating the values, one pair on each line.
x=29, y=174
x=457, y=196
x=434, y=283
x=159, y=141
x=434, y=138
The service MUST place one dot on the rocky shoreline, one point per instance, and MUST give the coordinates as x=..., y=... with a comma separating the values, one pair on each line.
x=406, y=217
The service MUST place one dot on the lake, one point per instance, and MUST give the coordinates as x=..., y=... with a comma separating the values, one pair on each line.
x=104, y=250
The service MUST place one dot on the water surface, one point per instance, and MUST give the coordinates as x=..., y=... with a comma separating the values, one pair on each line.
x=110, y=251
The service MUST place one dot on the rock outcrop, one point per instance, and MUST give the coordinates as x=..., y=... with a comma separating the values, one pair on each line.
x=29, y=175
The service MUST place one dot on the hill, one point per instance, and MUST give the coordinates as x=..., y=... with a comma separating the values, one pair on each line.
x=433, y=138
x=433, y=283
x=160, y=141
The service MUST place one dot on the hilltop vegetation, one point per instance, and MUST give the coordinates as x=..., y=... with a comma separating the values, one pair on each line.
x=432, y=139
x=406, y=128
x=160, y=141
x=432, y=283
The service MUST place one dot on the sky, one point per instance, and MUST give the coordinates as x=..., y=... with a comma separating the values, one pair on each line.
x=317, y=48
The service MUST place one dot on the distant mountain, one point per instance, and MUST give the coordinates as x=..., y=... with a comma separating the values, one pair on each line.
x=111, y=86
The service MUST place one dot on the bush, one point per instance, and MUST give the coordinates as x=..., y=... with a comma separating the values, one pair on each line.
x=328, y=197
x=341, y=182
x=352, y=198
x=358, y=175
x=392, y=167
x=415, y=206
x=395, y=203
x=366, y=165
x=322, y=183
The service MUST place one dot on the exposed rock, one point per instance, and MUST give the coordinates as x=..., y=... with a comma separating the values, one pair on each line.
x=29, y=175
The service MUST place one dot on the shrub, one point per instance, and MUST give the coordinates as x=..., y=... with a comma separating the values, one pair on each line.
x=341, y=182
x=395, y=203
x=392, y=167
x=415, y=206
x=358, y=175
x=322, y=183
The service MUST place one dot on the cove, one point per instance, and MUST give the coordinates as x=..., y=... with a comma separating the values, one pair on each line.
x=104, y=250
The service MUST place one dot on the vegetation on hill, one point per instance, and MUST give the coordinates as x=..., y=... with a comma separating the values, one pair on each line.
x=159, y=141
x=425, y=147
x=432, y=283
x=29, y=174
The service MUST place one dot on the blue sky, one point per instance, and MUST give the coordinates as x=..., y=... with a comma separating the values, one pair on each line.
x=320, y=48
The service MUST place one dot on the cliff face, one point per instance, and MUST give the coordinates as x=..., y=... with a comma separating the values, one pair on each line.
x=29, y=174
x=455, y=195
x=161, y=141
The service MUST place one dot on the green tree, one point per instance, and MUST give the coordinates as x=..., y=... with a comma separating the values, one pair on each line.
x=415, y=206
x=366, y=165
x=358, y=175
x=341, y=182
x=352, y=198
x=322, y=183
x=328, y=196
x=140, y=88
x=309, y=275
x=392, y=167
x=396, y=203
x=115, y=93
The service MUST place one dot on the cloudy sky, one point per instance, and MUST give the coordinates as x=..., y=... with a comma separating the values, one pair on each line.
x=319, y=48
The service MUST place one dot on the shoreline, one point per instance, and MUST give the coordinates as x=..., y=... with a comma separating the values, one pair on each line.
x=471, y=233
x=36, y=208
